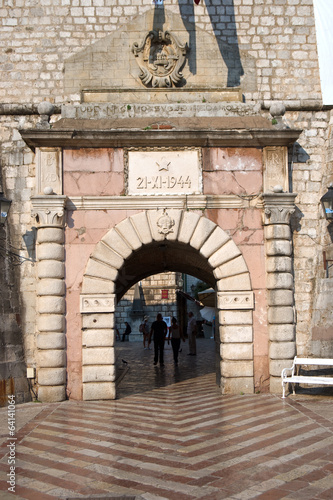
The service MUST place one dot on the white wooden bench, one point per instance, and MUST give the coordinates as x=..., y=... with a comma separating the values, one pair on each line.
x=295, y=378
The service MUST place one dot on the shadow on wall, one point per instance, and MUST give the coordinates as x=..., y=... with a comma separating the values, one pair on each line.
x=222, y=17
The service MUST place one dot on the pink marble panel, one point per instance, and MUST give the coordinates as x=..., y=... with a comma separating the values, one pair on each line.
x=222, y=182
x=233, y=159
x=74, y=345
x=93, y=160
x=93, y=183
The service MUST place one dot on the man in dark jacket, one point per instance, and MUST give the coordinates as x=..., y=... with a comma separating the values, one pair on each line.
x=158, y=330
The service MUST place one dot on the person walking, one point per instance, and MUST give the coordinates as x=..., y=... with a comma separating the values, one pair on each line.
x=159, y=331
x=127, y=331
x=192, y=334
x=176, y=335
x=145, y=332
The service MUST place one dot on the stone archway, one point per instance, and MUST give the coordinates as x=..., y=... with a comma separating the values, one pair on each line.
x=107, y=276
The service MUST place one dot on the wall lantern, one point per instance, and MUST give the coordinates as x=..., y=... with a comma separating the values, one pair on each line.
x=327, y=203
x=4, y=207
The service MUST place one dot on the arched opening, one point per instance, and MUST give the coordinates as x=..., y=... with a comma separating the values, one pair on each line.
x=166, y=240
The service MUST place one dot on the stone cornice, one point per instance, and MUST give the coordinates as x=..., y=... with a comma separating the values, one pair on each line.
x=192, y=202
x=155, y=138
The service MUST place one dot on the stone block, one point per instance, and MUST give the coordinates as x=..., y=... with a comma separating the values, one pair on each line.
x=230, y=369
x=51, y=376
x=93, y=391
x=51, y=358
x=104, y=253
x=280, y=280
x=275, y=385
x=94, y=285
x=231, y=268
x=215, y=241
x=115, y=241
x=100, y=270
x=50, y=269
x=141, y=224
x=278, y=247
x=278, y=232
x=98, y=356
x=282, y=350
x=236, y=333
x=281, y=333
x=231, y=318
x=239, y=282
x=228, y=252
x=50, y=251
x=280, y=315
x=129, y=234
x=49, y=304
x=278, y=264
x=98, y=320
x=280, y=298
x=51, y=393
x=187, y=227
x=105, y=373
x=201, y=233
x=51, y=287
x=51, y=323
x=50, y=235
x=51, y=340
x=239, y=385
x=234, y=351
x=98, y=338
x=277, y=365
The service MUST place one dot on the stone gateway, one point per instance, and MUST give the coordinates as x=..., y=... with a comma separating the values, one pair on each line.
x=150, y=139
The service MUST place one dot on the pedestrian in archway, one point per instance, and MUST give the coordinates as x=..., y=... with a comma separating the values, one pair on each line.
x=192, y=334
x=158, y=331
x=176, y=335
x=145, y=332
x=127, y=331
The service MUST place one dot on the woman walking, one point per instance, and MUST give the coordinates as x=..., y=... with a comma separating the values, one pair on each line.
x=176, y=335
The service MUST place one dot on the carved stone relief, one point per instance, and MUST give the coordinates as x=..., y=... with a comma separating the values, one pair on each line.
x=275, y=168
x=235, y=300
x=49, y=170
x=160, y=57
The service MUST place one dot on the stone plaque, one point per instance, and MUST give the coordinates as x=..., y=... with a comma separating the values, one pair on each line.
x=49, y=170
x=164, y=172
x=275, y=168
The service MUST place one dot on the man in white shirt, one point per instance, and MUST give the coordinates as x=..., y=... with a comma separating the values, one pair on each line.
x=192, y=334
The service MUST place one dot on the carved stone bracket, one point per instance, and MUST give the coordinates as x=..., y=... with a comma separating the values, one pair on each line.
x=160, y=57
x=278, y=207
x=235, y=300
x=49, y=210
x=97, y=303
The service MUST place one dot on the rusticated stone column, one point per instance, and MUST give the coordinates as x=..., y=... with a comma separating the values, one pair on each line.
x=48, y=211
x=280, y=283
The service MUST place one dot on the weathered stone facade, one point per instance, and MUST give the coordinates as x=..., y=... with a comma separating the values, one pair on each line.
x=78, y=56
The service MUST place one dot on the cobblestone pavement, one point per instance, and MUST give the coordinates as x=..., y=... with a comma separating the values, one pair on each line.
x=171, y=435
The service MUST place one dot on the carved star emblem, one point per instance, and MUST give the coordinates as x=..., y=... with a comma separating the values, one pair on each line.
x=163, y=165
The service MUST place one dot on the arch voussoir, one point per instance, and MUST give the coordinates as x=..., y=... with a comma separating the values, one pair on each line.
x=141, y=224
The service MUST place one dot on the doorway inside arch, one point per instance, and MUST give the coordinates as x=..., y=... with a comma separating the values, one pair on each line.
x=174, y=295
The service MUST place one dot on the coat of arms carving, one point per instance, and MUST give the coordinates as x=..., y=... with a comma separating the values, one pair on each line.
x=161, y=58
